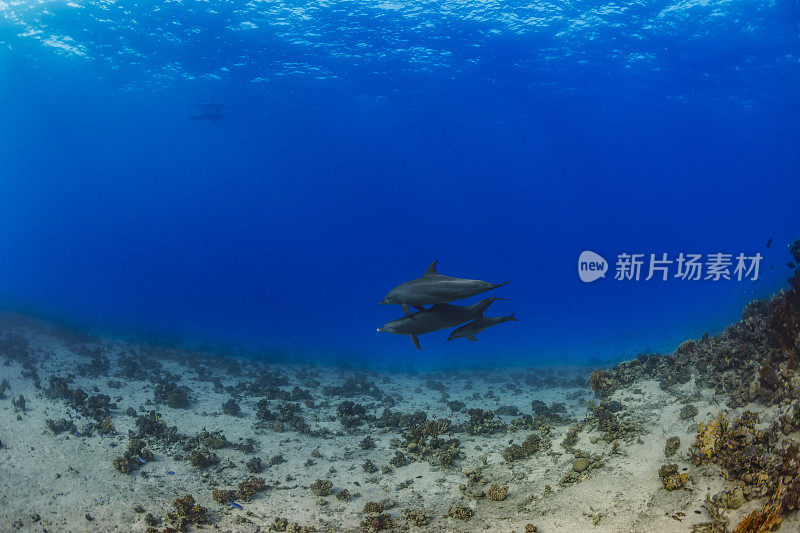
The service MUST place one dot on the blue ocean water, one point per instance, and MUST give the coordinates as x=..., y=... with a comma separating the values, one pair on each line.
x=363, y=140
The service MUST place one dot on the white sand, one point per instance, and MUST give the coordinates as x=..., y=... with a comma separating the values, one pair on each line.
x=50, y=482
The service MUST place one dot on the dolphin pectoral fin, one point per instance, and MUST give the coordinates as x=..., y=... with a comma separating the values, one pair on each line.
x=418, y=307
x=405, y=309
x=431, y=271
x=471, y=337
x=415, y=340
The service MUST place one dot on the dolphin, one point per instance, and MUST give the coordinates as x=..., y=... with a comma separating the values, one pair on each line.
x=211, y=116
x=469, y=330
x=211, y=106
x=438, y=316
x=433, y=288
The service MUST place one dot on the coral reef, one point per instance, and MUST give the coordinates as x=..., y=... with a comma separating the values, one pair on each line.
x=321, y=487
x=187, y=512
x=231, y=407
x=497, y=493
x=529, y=446
x=671, y=478
x=134, y=457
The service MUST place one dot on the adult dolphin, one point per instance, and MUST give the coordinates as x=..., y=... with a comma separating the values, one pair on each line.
x=439, y=316
x=470, y=329
x=434, y=288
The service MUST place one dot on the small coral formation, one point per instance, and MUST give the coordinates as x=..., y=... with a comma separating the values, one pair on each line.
x=367, y=443
x=253, y=485
x=482, y=422
x=202, y=458
x=187, y=512
x=688, y=412
x=283, y=524
x=321, y=487
x=768, y=518
x=372, y=507
x=718, y=523
x=398, y=460
x=579, y=465
x=419, y=519
x=671, y=446
x=60, y=426
x=231, y=407
x=670, y=477
x=224, y=495
x=107, y=426
x=254, y=465
x=603, y=383
x=343, y=495
x=611, y=422
x=169, y=393
x=730, y=499
x=152, y=425
x=529, y=446
x=424, y=441
x=374, y=517
x=286, y=416
x=497, y=493
x=134, y=457
x=460, y=512
x=351, y=414
x=96, y=407
x=18, y=404
x=708, y=440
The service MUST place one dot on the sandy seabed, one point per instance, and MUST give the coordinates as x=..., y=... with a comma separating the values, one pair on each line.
x=112, y=433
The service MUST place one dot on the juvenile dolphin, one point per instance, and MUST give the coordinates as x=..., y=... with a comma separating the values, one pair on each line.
x=469, y=330
x=439, y=316
x=433, y=288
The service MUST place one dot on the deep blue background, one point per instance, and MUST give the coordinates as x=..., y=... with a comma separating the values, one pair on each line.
x=283, y=226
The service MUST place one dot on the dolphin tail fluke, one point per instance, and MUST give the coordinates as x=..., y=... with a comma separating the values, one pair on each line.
x=415, y=340
x=405, y=309
x=471, y=338
x=512, y=317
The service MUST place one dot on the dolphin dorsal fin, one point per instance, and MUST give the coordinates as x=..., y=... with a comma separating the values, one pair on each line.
x=431, y=269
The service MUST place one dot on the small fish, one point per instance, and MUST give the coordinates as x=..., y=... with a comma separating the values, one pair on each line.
x=769, y=242
x=170, y=473
x=236, y=505
x=112, y=445
x=140, y=459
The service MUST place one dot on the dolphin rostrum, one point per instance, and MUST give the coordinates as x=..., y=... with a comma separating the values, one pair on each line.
x=433, y=288
x=469, y=330
x=439, y=316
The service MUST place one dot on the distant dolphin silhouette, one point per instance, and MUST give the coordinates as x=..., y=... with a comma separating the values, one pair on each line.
x=208, y=115
x=211, y=107
x=439, y=316
x=434, y=288
x=470, y=329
